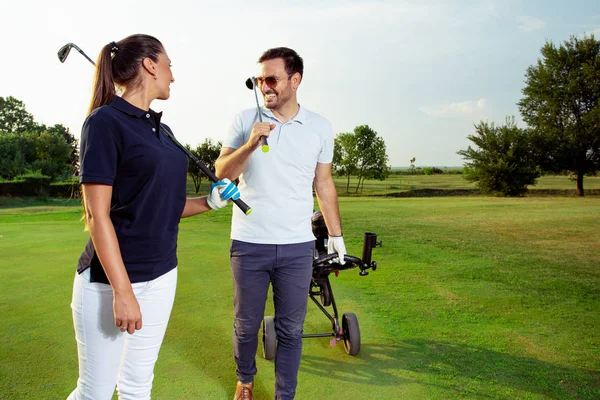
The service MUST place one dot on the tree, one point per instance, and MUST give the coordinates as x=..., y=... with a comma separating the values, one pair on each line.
x=53, y=154
x=43, y=152
x=345, y=156
x=505, y=161
x=14, y=117
x=562, y=104
x=12, y=162
x=412, y=165
x=360, y=153
x=28, y=146
x=371, y=154
x=207, y=152
x=73, y=143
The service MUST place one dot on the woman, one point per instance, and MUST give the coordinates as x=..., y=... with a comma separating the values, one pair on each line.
x=133, y=179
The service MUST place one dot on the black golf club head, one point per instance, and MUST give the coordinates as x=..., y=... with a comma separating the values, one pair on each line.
x=250, y=85
x=64, y=51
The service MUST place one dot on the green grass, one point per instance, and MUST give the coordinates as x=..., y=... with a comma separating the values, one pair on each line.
x=474, y=298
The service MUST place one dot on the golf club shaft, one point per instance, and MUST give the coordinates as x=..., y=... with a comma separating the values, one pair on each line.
x=85, y=55
x=265, y=144
x=245, y=208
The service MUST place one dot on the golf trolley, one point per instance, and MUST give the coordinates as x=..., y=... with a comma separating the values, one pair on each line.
x=321, y=294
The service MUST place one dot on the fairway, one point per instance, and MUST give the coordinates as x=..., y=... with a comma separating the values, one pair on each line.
x=473, y=298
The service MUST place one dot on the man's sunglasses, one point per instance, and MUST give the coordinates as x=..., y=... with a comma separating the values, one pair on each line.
x=271, y=81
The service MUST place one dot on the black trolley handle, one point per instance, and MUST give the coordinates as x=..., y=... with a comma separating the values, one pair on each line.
x=246, y=209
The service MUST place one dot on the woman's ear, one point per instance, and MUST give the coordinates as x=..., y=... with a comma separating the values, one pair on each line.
x=149, y=66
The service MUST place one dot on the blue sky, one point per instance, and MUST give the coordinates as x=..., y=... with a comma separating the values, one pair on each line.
x=420, y=73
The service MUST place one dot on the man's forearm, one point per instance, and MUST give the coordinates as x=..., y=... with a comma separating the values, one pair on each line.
x=328, y=203
x=232, y=165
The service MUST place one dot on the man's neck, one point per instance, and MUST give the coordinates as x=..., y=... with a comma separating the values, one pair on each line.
x=287, y=112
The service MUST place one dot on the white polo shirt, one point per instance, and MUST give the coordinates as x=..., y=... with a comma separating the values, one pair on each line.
x=278, y=184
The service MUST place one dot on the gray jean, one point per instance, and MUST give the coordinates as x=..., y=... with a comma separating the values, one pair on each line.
x=289, y=269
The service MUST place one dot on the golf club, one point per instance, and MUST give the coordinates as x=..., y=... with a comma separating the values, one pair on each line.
x=63, y=53
x=250, y=85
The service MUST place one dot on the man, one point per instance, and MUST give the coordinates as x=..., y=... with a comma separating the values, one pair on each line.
x=275, y=243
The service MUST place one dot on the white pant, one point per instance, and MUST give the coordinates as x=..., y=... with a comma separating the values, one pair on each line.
x=109, y=357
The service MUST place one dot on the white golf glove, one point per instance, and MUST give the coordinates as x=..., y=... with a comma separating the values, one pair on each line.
x=335, y=244
x=225, y=190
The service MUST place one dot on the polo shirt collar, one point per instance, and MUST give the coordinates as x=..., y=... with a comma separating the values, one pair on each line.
x=299, y=117
x=122, y=105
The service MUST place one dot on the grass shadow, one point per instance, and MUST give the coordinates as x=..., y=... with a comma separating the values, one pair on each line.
x=455, y=367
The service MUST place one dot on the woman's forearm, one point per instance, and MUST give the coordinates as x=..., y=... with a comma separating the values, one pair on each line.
x=194, y=206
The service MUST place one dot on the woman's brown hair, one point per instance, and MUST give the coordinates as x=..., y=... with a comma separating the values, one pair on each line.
x=119, y=64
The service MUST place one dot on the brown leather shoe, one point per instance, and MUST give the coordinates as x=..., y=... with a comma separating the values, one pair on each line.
x=243, y=391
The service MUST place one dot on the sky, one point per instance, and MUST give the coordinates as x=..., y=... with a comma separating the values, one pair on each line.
x=420, y=73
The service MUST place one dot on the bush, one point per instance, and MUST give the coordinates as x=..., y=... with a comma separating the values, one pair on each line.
x=503, y=161
x=29, y=184
x=68, y=189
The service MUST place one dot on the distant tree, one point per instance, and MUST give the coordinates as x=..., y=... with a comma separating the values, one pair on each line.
x=207, y=152
x=28, y=146
x=14, y=117
x=43, y=152
x=345, y=156
x=412, y=165
x=73, y=143
x=504, y=161
x=562, y=104
x=12, y=161
x=53, y=154
x=371, y=154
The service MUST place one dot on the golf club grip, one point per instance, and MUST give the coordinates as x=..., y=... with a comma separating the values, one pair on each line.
x=245, y=208
x=263, y=139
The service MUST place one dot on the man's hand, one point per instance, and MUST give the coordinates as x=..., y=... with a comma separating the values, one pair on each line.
x=221, y=192
x=258, y=130
x=335, y=244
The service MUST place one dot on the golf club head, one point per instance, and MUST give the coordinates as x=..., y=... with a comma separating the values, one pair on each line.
x=250, y=83
x=64, y=51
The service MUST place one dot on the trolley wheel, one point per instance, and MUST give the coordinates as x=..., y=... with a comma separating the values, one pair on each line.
x=325, y=295
x=351, y=333
x=269, y=338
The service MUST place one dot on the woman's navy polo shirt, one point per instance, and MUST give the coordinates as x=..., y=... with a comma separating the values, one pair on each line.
x=123, y=146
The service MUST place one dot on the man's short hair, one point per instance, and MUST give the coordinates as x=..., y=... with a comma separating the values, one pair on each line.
x=291, y=60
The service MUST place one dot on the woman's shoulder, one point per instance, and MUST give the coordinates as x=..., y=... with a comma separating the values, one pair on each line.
x=104, y=113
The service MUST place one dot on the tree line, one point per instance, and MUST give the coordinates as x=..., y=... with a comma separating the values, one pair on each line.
x=561, y=107
x=30, y=148
x=27, y=147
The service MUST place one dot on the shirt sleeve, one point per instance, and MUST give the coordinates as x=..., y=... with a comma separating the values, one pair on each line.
x=99, y=151
x=235, y=136
x=326, y=154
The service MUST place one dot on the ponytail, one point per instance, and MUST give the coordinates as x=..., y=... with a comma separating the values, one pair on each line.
x=104, y=85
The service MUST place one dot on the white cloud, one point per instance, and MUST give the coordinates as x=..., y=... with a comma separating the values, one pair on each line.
x=464, y=108
x=530, y=24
